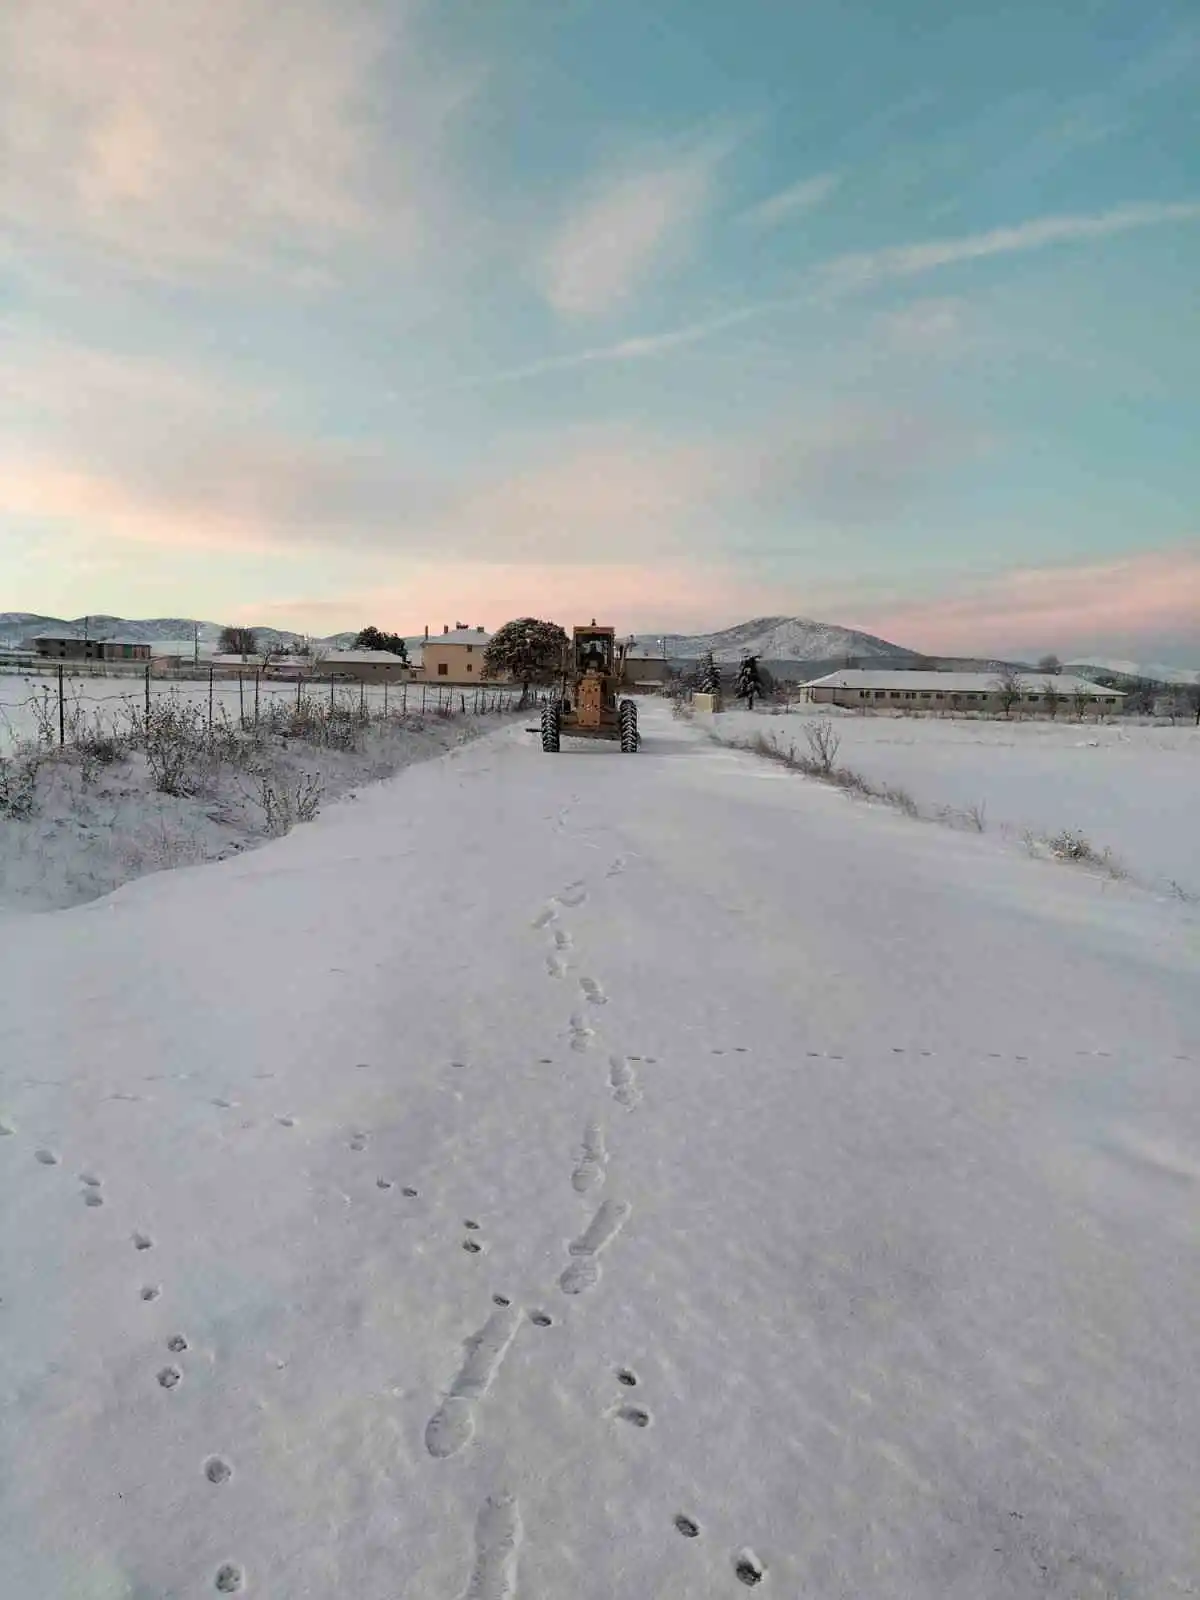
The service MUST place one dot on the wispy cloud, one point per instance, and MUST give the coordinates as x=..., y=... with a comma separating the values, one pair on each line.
x=633, y=222
x=194, y=136
x=866, y=268
x=791, y=202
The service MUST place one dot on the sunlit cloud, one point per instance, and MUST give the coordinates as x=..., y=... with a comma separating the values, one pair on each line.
x=193, y=137
x=631, y=224
x=1062, y=607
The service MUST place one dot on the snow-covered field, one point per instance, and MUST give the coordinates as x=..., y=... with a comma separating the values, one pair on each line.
x=1130, y=788
x=29, y=703
x=599, y=1176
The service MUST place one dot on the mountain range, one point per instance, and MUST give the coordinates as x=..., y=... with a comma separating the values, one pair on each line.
x=776, y=640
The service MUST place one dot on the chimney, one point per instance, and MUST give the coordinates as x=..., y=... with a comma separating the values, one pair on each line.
x=478, y=630
x=426, y=633
x=445, y=627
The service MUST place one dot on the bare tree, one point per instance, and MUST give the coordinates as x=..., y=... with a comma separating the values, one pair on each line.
x=1052, y=695
x=1009, y=688
x=1081, y=700
x=1050, y=664
x=238, y=641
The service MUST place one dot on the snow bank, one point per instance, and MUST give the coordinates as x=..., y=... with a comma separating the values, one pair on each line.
x=77, y=822
x=1128, y=788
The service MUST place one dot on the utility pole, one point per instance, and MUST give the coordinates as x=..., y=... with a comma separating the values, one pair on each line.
x=195, y=644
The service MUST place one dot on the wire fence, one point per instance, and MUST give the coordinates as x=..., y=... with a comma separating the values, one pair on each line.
x=49, y=711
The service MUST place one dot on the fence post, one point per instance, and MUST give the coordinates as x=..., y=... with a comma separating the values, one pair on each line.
x=211, y=674
x=147, y=689
x=424, y=687
x=463, y=698
x=299, y=685
x=62, y=724
x=385, y=684
x=404, y=701
x=241, y=701
x=331, y=688
x=362, y=696
x=257, y=675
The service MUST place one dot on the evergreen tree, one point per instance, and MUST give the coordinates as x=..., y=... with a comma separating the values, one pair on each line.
x=376, y=639
x=749, y=684
x=709, y=676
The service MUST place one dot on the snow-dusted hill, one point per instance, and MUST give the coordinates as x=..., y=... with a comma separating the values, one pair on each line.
x=163, y=631
x=1154, y=671
x=782, y=639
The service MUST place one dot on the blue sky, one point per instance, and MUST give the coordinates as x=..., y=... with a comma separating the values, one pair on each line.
x=684, y=313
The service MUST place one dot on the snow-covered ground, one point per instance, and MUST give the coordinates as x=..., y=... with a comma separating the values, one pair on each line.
x=600, y=1176
x=1130, y=788
x=74, y=827
x=30, y=702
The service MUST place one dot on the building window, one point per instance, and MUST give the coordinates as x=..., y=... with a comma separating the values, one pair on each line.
x=470, y=649
x=940, y=695
x=470, y=665
x=443, y=669
x=895, y=694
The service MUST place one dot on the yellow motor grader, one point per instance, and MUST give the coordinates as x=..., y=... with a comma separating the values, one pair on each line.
x=586, y=704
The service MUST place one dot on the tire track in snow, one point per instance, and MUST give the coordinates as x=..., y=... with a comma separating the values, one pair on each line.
x=498, y=1534
x=452, y=1425
x=584, y=1270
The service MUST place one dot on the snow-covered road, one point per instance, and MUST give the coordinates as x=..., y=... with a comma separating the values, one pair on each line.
x=599, y=1177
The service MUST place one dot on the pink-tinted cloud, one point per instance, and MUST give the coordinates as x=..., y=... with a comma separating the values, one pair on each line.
x=195, y=134
x=1063, y=607
x=680, y=596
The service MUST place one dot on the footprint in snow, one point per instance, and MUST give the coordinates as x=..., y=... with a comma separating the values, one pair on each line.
x=556, y=966
x=168, y=1377
x=93, y=1198
x=689, y=1528
x=593, y=1159
x=452, y=1425
x=498, y=1534
x=562, y=939
x=286, y=1122
x=584, y=1270
x=626, y=1377
x=230, y=1579
x=177, y=1344
x=582, y=1033
x=622, y=1080
x=142, y=1241
x=150, y=1291
x=358, y=1141
x=545, y=918
x=636, y=1416
x=573, y=895
x=217, y=1471
x=748, y=1569
x=592, y=992
x=46, y=1157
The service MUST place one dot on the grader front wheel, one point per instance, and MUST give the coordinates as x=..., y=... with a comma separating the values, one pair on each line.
x=550, y=728
x=630, y=738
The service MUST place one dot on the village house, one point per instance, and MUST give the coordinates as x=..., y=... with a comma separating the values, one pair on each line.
x=57, y=647
x=898, y=690
x=367, y=666
x=454, y=656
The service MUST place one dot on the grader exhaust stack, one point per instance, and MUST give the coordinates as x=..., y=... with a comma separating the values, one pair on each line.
x=587, y=704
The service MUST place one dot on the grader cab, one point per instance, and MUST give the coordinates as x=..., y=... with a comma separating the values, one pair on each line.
x=587, y=703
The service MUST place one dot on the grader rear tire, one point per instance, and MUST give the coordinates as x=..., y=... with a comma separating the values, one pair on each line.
x=551, y=731
x=630, y=738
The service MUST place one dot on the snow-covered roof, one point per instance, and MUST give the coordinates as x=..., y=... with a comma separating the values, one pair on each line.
x=459, y=636
x=364, y=658
x=953, y=682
